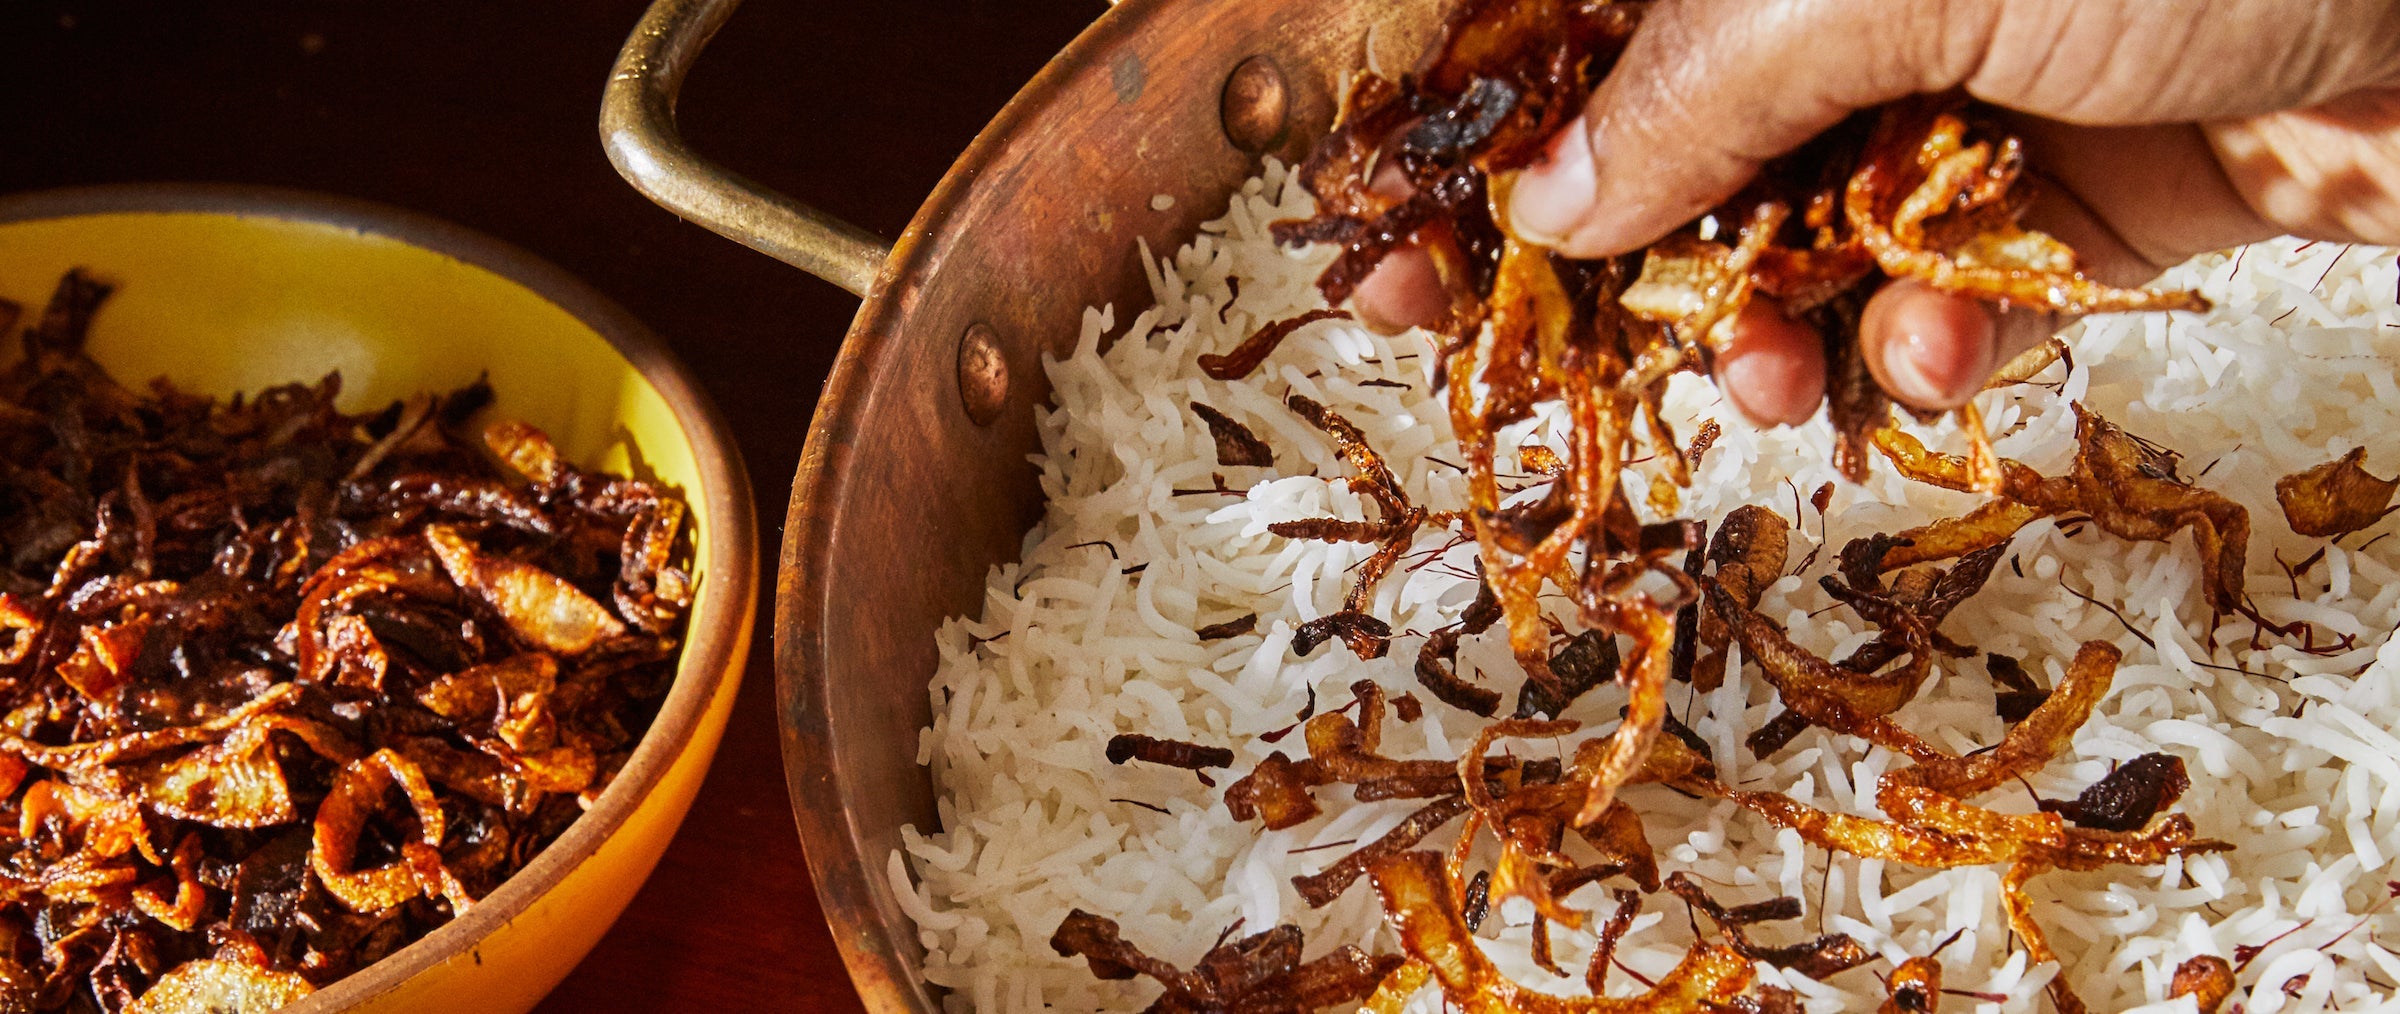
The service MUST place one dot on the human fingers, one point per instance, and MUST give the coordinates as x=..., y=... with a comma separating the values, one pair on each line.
x=1403, y=291
x=1773, y=370
x=2330, y=172
x=1708, y=90
x=2130, y=201
x=1928, y=348
x=1935, y=350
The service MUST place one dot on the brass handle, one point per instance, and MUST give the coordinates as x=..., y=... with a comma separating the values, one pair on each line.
x=637, y=126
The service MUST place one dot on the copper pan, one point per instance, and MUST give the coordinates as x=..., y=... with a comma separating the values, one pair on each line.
x=914, y=482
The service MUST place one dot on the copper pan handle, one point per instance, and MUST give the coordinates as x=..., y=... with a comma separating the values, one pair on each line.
x=637, y=126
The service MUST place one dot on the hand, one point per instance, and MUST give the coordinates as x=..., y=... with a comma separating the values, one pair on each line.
x=2165, y=129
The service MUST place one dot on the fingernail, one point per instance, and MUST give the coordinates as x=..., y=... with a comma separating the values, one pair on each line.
x=1904, y=360
x=1937, y=349
x=1924, y=377
x=1555, y=195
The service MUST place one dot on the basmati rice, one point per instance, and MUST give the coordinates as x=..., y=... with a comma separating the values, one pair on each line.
x=1093, y=634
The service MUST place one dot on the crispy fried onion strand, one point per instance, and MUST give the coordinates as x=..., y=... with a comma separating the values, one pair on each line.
x=354, y=799
x=2129, y=486
x=1419, y=904
x=1261, y=972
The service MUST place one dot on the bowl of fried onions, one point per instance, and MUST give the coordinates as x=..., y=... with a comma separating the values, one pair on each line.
x=372, y=599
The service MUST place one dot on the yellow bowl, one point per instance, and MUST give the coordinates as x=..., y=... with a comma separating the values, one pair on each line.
x=228, y=289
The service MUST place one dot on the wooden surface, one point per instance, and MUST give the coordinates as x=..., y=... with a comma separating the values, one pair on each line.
x=483, y=112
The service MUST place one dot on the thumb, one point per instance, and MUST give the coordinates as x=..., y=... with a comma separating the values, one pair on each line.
x=1708, y=90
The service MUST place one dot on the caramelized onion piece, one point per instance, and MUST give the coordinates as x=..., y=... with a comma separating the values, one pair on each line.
x=1173, y=753
x=1236, y=445
x=1343, y=975
x=209, y=986
x=2019, y=909
x=1915, y=987
x=2130, y=488
x=1262, y=972
x=1335, y=530
x=1340, y=750
x=1471, y=763
x=1855, y=404
x=1931, y=205
x=1586, y=662
x=1319, y=889
x=1602, y=765
x=1276, y=792
x=1691, y=284
x=236, y=782
x=183, y=907
x=1751, y=546
x=1367, y=636
x=1754, y=539
x=137, y=745
x=2028, y=364
x=356, y=795
x=2128, y=797
x=509, y=699
x=97, y=826
x=2018, y=695
x=98, y=668
x=1254, y=350
x=1612, y=931
x=2029, y=744
x=2335, y=498
x=1098, y=941
x=1418, y=903
x=2207, y=979
x=528, y=451
x=1391, y=996
x=1926, y=594
x=2128, y=485
x=2024, y=495
x=1436, y=659
x=1842, y=701
x=538, y=605
x=1818, y=959
x=1236, y=627
x=2072, y=848
x=1623, y=847
x=1528, y=851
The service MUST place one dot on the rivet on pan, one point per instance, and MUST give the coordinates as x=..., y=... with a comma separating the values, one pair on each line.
x=982, y=374
x=1256, y=105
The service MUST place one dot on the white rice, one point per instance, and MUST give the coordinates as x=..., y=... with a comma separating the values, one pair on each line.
x=2291, y=369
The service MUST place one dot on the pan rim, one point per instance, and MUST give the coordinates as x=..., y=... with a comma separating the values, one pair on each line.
x=829, y=833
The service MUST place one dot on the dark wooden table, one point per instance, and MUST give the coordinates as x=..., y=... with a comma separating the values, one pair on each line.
x=483, y=112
